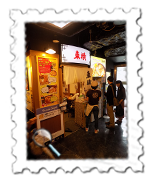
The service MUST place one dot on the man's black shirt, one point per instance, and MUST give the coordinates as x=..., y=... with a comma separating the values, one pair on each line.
x=109, y=94
x=93, y=96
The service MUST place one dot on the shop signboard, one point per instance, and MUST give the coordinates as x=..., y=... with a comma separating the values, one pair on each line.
x=47, y=112
x=48, y=81
x=73, y=54
x=99, y=66
x=52, y=118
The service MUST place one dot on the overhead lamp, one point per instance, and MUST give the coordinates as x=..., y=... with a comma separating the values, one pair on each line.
x=61, y=25
x=55, y=41
x=50, y=51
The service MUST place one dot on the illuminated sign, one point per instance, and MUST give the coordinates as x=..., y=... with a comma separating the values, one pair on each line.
x=99, y=66
x=73, y=54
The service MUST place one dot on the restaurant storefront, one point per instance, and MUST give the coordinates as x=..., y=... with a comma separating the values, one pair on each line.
x=56, y=87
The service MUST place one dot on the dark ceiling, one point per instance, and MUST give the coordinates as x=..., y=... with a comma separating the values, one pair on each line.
x=69, y=30
x=105, y=39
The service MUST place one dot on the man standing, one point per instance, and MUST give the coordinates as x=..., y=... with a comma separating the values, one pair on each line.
x=93, y=96
x=109, y=95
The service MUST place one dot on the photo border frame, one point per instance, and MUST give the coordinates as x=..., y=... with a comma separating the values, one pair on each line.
x=10, y=58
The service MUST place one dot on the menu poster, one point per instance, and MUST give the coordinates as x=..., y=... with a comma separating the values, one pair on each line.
x=48, y=80
x=99, y=66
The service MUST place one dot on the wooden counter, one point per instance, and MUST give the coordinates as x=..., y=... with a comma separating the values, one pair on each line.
x=80, y=117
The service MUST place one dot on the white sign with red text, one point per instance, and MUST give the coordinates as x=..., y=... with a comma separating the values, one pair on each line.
x=73, y=54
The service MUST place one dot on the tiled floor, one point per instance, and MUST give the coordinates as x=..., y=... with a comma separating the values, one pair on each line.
x=70, y=124
x=106, y=144
x=79, y=144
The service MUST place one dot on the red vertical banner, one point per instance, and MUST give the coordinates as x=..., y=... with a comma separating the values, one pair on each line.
x=44, y=65
x=48, y=80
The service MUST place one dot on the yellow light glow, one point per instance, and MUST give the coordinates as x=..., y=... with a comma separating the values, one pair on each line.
x=50, y=51
x=60, y=24
x=43, y=55
x=55, y=41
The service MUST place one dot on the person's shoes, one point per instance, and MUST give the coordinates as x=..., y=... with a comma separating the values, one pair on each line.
x=86, y=129
x=107, y=122
x=110, y=126
x=96, y=131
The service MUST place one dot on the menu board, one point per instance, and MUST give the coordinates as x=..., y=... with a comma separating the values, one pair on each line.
x=99, y=66
x=48, y=81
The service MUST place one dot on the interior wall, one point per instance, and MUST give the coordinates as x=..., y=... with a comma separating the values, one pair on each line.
x=29, y=94
x=109, y=65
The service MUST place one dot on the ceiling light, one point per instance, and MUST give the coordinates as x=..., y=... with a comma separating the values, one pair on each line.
x=55, y=41
x=50, y=51
x=60, y=24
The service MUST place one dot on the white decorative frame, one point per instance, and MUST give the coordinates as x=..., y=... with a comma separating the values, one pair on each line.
x=135, y=149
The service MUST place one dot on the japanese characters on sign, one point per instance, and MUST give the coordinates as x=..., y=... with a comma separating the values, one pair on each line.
x=77, y=55
x=88, y=79
x=88, y=82
x=72, y=54
x=88, y=76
